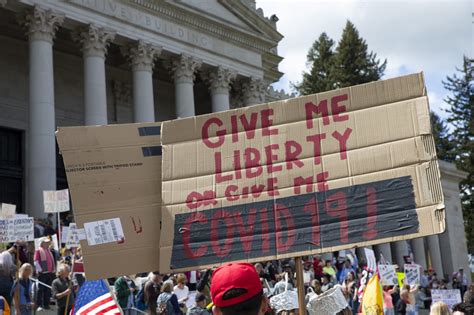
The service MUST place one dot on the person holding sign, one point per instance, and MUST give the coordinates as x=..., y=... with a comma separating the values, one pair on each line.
x=45, y=266
x=236, y=289
x=61, y=287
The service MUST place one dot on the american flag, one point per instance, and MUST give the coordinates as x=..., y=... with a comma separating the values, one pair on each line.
x=94, y=298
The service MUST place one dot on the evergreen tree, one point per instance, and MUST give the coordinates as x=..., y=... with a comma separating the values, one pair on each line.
x=443, y=141
x=353, y=64
x=461, y=102
x=320, y=58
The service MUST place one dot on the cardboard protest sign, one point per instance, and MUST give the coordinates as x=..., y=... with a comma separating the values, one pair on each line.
x=401, y=279
x=114, y=171
x=7, y=211
x=351, y=167
x=56, y=201
x=450, y=297
x=388, y=275
x=412, y=274
x=74, y=236
x=19, y=228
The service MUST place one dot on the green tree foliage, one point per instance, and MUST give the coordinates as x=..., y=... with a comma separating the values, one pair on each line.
x=461, y=104
x=349, y=64
x=442, y=138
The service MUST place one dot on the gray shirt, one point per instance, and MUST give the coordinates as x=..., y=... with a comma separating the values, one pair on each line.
x=60, y=285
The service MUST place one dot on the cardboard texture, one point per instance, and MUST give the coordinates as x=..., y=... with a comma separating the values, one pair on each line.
x=351, y=167
x=114, y=171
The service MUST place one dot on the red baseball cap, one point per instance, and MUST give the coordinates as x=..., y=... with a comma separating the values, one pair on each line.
x=234, y=276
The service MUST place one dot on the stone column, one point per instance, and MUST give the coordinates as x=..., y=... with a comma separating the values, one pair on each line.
x=183, y=71
x=142, y=57
x=435, y=255
x=94, y=42
x=383, y=250
x=219, y=85
x=418, y=248
x=253, y=91
x=399, y=249
x=42, y=26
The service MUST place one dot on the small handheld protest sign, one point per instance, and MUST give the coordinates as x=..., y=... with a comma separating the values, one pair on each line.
x=7, y=211
x=351, y=167
x=18, y=228
x=56, y=201
x=412, y=274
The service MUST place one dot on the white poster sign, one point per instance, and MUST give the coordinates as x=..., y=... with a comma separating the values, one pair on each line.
x=7, y=211
x=64, y=232
x=17, y=229
x=56, y=201
x=412, y=274
x=388, y=275
x=371, y=262
x=74, y=236
x=104, y=231
x=450, y=297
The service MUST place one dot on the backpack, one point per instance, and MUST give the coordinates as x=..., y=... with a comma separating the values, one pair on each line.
x=165, y=308
x=140, y=299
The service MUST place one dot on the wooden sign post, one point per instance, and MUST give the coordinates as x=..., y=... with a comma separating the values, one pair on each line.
x=300, y=285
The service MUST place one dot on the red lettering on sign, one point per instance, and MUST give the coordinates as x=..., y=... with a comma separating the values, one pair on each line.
x=237, y=165
x=342, y=141
x=229, y=228
x=218, y=169
x=321, y=108
x=336, y=206
x=271, y=158
x=249, y=127
x=312, y=209
x=252, y=160
x=196, y=217
x=371, y=232
x=257, y=190
x=336, y=109
x=195, y=200
x=246, y=230
x=228, y=193
x=272, y=187
x=292, y=151
x=299, y=181
x=205, y=133
x=321, y=180
x=283, y=213
x=267, y=122
x=316, y=139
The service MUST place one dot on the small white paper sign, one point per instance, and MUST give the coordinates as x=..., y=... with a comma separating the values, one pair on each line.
x=450, y=297
x=74, y=236
x=64, y=232
x=412, y=274
x=7, y=211
x=19, y=228
x=56, y=201
x=371, y=262
x=388, y=275
x=104, y=231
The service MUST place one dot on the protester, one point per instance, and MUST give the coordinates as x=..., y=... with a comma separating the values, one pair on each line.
x=63, y=291
x=325, y=283
x=469, y=295
x=236, y=290
x=349, y=289
x=346, y=269
x=4, y=306
x=330, y=271
x=167, y=302
x=45, y=264
x=440, y=308
x=124, y=289
x=152, y=290
x=282, y=285
x=411, y=305
x=463, y=309
x=402, y=303
x=261, y=272
x=7, y=273
x=203, y=286
x=181, y=291
x=200, y=307
x=22, y=291
x=388, y=308
x=461, y=278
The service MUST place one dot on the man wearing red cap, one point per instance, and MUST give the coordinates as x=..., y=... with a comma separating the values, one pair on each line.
x=236, y=290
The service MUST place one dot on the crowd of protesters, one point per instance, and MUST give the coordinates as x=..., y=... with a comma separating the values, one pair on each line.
x=34, y=279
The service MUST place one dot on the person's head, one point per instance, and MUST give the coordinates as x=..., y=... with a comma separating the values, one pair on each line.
x=156, y=277
x=324, y=279
x=167, y=286
x=461, y=270
x=201, y=300
x=45, y=242
x=63, y=271
x=259, y=268
x=236, y=289
x=350, y=276
x=25, y=271
x=406, y=287
x=181, y=280
x=440, y=308
x=328, y=263
x=463, y=309
x=316, y=285
x=347, y=263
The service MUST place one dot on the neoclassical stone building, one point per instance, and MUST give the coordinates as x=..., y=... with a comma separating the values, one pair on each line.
x=95, y=62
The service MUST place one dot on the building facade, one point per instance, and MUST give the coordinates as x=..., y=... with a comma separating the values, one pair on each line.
x=95, y=62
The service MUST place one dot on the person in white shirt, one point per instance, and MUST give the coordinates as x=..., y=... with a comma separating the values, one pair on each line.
x=181, y=290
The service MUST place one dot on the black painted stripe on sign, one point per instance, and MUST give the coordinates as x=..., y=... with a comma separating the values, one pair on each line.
x=152, y=151
x=149, y=131
x=295, y=224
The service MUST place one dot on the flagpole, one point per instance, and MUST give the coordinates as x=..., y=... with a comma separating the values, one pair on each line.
x=59, y=232
x=300, y=284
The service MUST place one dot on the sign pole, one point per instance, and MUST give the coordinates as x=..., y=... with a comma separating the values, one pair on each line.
x=59, y=232
x=300, y=285
x=71, y=272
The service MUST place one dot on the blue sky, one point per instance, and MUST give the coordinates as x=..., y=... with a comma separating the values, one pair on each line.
x=414, y=35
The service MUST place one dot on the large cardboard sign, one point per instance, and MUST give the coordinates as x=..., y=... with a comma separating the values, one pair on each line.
x=351, y=167
x=450, y=297
x=114, y=172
